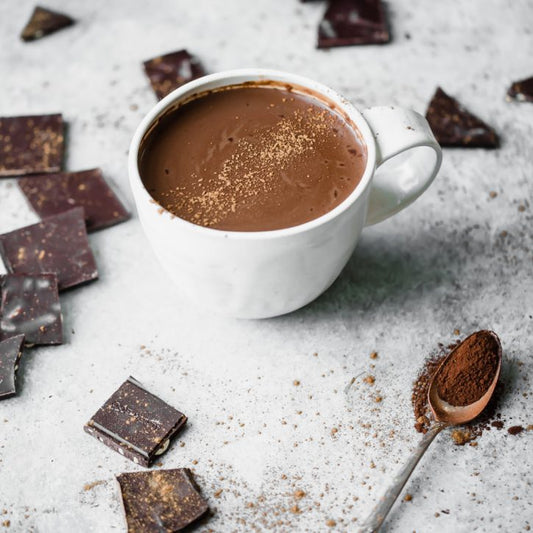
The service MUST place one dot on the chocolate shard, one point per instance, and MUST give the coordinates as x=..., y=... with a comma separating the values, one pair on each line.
x=29, y=305
x=135, y=423
x=43, y=22
x=10, y=354
x=160, y=501
x=170, y=71
x=521, y=91
x=31, y=144
x=51, y=194
x=453, y=125
x=57, y=244
x=351, y=22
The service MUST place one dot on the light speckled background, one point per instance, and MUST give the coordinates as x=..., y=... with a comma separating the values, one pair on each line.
x=439, y=265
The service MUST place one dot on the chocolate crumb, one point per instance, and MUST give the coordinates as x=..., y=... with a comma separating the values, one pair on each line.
x=461, y=437
x=408, y=497
x=515, y=430
x=90, y=486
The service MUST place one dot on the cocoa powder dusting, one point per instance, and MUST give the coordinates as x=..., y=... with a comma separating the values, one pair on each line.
x=469, y=372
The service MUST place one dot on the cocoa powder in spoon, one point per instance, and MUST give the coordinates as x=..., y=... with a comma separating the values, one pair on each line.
x=468, y=374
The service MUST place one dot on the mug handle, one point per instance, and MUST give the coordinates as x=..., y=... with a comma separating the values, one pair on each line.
x=407, y=160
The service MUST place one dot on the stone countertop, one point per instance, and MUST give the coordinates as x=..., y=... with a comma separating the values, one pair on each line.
x=254, y=437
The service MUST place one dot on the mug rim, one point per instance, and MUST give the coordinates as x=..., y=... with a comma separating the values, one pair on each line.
x=223, y=79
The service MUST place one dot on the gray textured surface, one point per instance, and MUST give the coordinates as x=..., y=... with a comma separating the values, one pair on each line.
x=440, y=265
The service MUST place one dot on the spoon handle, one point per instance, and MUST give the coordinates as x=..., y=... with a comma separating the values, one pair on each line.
x=374, y=522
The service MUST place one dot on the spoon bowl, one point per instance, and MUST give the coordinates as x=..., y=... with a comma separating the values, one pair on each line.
x=455, y=415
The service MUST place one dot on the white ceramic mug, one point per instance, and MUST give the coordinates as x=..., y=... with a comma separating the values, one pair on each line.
x=268, y=273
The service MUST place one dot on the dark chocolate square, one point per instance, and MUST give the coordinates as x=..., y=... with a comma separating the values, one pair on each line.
x=136, y=423
x=50, y=194
x=57, y=244
x=29, y=305
x=44, y=22
x=10, y=354
x=521, y=91
x=454, y=125
x=351, y=22
x=31, y=144
x=170, y=71
x=160, y=501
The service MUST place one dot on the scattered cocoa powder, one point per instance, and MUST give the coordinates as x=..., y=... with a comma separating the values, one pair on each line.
x=370, y=380
x=419, y=396
x=90, y=486
x=470, y=370
x=461, y=437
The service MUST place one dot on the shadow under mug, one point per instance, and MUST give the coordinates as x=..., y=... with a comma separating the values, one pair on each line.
x=264, y=274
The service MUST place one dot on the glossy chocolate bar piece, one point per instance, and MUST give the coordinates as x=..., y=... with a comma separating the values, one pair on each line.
x=454, y=125
x=170, y=71
x=10, y=354
x=160, y=500
x=31, y=144
x=57, y=244
x=43, y=22
x=353, y=22
x=51, y=194
x=135, y=423
x=29, y=305
x=521, y=91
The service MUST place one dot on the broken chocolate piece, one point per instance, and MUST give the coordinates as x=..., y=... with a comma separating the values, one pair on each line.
x=10, y=354
x=160, y=501
x=57, y=244
x=51, y=194
x=170, y=71
x=29, y=305
x=31, y=144
x=453, y=125
x=350, y=22
x=43, y=22
x=136, y=423
x=521, y=91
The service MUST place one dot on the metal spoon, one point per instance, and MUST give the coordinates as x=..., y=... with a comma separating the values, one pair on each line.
x=445, y=415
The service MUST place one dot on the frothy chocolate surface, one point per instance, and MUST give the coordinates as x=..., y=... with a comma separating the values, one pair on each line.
x=252, y=159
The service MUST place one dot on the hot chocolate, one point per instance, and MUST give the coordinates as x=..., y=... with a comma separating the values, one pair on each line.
x=252, y=158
